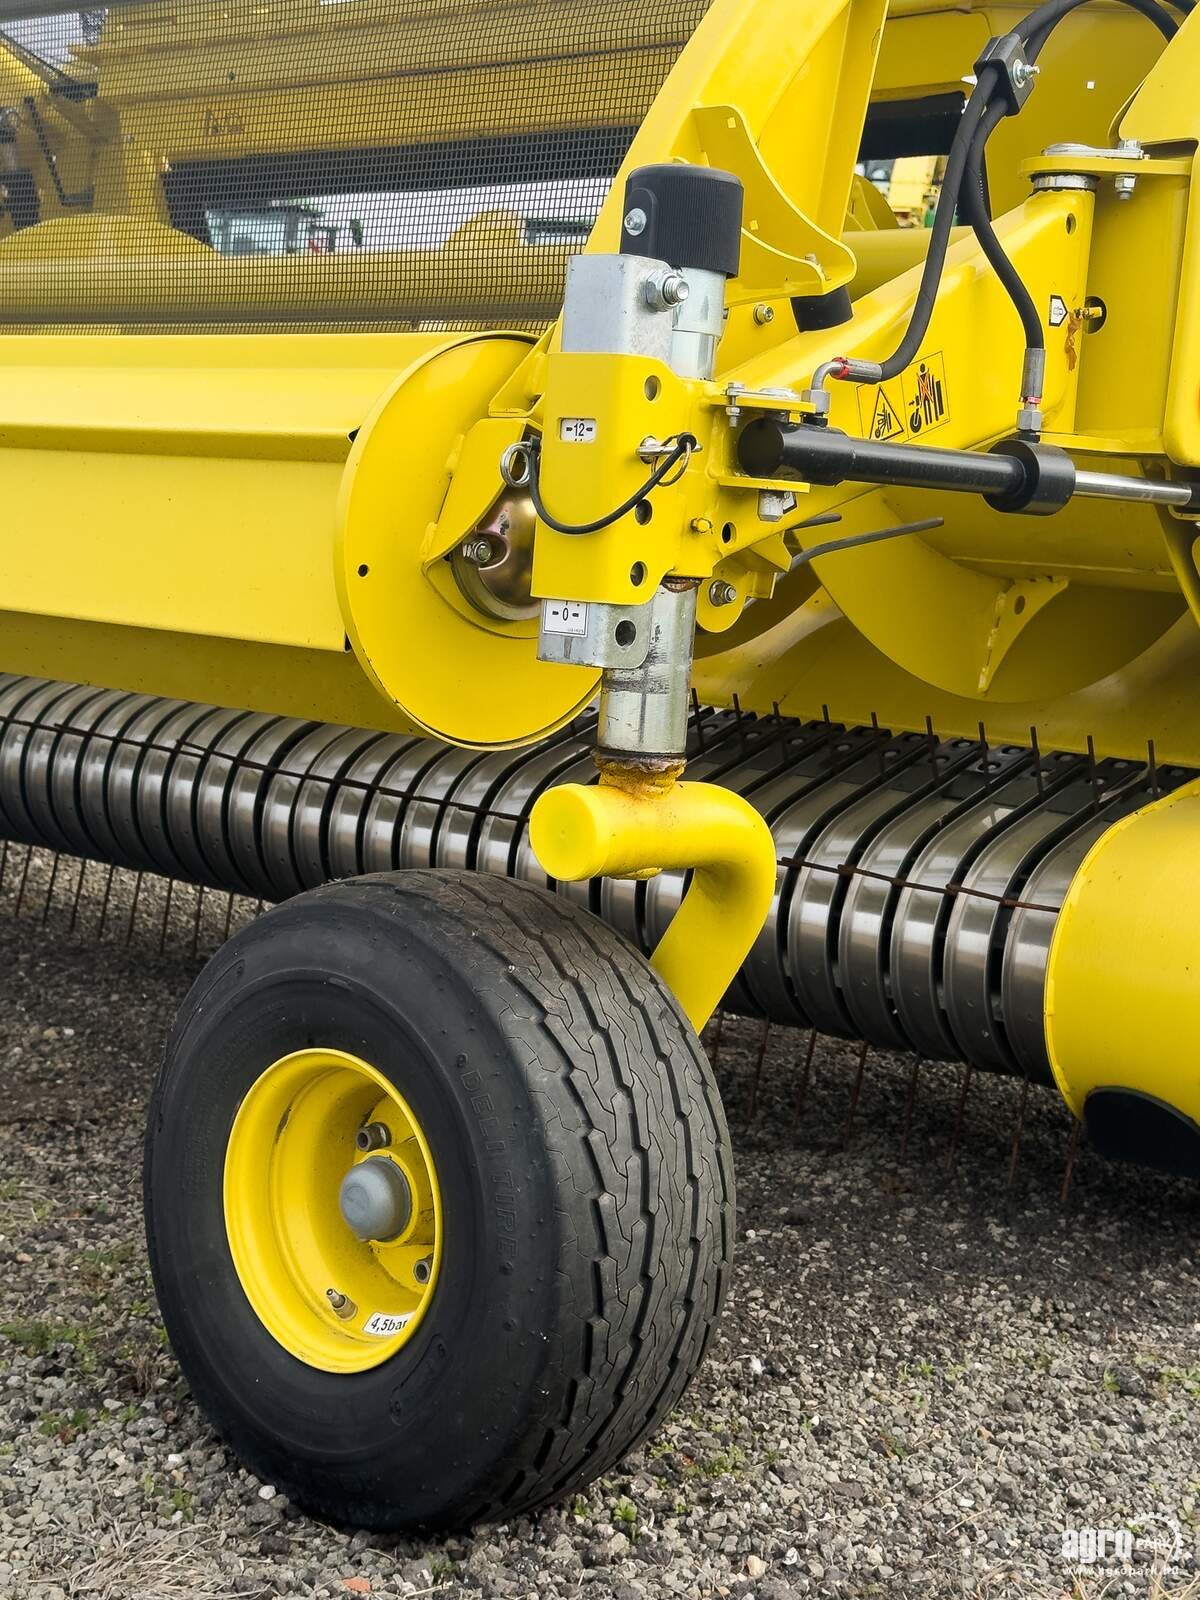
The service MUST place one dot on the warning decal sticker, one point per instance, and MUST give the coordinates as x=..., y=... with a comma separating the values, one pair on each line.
x=885, y=422
x=907, y=407
x=925, y=396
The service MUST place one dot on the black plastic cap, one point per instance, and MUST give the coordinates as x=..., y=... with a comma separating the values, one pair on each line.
x=693, y=217
x=816, y=311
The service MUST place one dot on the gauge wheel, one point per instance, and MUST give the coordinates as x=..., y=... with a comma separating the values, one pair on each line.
x=438, y=1198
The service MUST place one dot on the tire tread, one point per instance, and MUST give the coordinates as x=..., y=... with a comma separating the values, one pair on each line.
x=596, y=997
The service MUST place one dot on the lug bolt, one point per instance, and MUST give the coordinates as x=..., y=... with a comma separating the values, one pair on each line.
x=423, y=1270
x=375, y=1136
x=721, y=593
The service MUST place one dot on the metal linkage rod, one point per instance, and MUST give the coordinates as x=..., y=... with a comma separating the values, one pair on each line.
x=1118, y=486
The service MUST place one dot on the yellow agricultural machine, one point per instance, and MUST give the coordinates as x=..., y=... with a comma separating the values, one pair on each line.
x=491, y=476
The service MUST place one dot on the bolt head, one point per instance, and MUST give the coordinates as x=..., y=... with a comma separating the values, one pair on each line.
x=636, y=222
x=774, y=505
x=677, y=290
x=722, y=594
x=663, y=291
x=764, y=314
x=479, y=552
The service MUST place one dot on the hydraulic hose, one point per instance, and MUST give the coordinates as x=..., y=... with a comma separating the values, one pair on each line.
x=976, y=214
x=1035, y=31
x=943, y=222
x=1039, y=24
x=963, y=187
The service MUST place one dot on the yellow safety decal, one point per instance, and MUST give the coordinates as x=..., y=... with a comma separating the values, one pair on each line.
x=907, y=407
x=885, y=420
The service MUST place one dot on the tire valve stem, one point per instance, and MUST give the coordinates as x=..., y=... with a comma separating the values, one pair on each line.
x=341, y=1305
x=375, y=1136
x=423, y=1270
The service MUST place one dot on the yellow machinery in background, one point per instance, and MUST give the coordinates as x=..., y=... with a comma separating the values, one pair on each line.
x=387, y=382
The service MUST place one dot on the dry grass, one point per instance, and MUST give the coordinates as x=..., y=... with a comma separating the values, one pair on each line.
x=111, y=1561
x=1161, y=1588
x=1014, y=1583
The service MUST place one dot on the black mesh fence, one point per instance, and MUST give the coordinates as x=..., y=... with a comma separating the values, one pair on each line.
x=318, y=163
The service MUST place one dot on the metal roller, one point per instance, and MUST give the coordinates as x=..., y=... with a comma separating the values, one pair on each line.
x=918, y=886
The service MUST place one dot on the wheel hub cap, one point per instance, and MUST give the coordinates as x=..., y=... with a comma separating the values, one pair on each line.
x=376, y=1200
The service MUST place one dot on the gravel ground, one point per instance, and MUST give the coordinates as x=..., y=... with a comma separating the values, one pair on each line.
x=926, y=1375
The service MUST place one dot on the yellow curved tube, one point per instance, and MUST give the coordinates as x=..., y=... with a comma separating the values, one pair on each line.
x=580, y=832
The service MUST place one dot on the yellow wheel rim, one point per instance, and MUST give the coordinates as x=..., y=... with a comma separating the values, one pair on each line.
x=330, y=1298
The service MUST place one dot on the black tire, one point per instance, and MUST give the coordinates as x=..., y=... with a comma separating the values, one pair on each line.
x=586, y=1180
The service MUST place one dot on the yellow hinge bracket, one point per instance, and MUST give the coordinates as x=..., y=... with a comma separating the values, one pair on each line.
x=783, y=250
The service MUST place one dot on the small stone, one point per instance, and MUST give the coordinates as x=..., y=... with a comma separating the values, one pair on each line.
x=756, y=1566
x=1128, y=1381
x=851, y=1489
x=267, y=1492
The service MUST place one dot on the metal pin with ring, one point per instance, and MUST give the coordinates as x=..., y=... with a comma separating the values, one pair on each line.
x=516, y=465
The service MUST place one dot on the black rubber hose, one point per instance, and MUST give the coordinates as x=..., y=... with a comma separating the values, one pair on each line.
x=965, y=160
x=682, y=447
x=974, y=208
x=1036, y=29
x=943, y=222
x=1038, y=25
